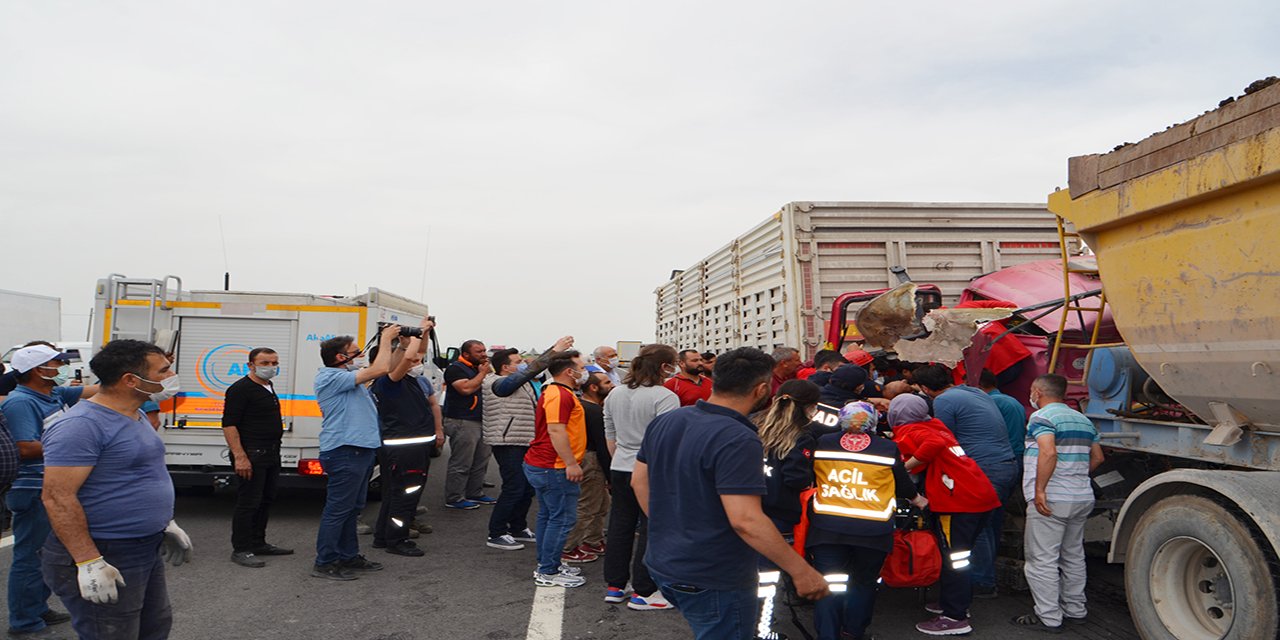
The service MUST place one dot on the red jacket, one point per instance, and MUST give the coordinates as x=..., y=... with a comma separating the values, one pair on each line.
x=953, y=483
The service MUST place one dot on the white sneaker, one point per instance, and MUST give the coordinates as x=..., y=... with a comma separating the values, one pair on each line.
x=504, y=542
x=652, y=602
x=558, y=580
x=568, y=570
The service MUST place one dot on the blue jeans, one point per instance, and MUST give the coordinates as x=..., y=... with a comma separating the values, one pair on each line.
x=349, y=469
x=711, y=614
x=143, y=610
x=557, y=513
x=848, y=612
x=511, y=514
x=28, y=595
x=986, y=548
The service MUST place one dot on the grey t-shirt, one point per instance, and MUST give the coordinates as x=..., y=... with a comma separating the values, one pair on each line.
x=627, y=413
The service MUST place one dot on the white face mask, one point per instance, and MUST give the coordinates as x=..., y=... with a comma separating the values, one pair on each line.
x=614, y=362
x=357, y=363
x=417, y=370
x=583, y=377
x=169, y=387
x=266, y=373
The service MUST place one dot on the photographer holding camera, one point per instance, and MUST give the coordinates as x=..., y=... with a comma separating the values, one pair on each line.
x=408, y=433
x=349, y=440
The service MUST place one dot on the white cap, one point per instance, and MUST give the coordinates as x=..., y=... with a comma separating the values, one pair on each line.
x=28, y=358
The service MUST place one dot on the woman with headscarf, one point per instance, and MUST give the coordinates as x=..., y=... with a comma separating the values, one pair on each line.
x=788, y=464
x=959, y=495
x=860, y=477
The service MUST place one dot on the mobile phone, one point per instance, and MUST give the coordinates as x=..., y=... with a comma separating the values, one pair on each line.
x=79, y=375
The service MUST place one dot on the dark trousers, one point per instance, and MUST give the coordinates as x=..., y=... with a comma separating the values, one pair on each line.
x=848, y=612
x=254, y=497
x=404, y=473
x=348, y=469
x=511, y=514
x=143, y=611
x=960, y=530
x=626, y=539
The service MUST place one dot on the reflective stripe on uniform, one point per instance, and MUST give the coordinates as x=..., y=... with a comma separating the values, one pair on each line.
x=396, y=442
x=849, y=455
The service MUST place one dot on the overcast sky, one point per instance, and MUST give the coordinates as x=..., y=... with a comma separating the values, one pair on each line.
x=550, y=162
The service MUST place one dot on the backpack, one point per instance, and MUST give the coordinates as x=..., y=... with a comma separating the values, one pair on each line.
x=915, y=560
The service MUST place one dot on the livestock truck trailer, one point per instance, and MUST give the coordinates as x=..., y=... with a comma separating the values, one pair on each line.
x=797, y=278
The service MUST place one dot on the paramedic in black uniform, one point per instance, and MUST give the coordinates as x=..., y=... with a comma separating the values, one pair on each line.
x=408, y=434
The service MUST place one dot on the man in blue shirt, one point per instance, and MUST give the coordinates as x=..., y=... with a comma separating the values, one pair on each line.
x=110, y=501
x=702, y=467
x=987, y=547
x=979, y=426
x=38, y=399
x=349, y=441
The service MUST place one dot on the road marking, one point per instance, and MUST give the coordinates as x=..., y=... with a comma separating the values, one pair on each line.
x=547, y=617
x=6, y=541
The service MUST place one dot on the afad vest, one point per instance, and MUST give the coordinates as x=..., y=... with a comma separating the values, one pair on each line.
x=855, y=488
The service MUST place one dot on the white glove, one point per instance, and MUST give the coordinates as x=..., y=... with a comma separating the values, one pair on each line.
x=177, y=545
x=98, y=581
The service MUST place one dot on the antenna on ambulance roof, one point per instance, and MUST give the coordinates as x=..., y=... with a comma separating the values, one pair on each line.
x=226, y=264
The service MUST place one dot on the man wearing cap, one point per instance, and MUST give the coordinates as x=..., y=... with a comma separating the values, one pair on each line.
x=39, y=399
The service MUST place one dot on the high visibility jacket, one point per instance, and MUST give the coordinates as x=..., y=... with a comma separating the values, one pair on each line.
x=859, y=478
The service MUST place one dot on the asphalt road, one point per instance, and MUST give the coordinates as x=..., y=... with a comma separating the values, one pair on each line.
x=463, y=589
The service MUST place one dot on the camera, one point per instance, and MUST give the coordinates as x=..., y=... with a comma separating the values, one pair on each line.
x=410, y=332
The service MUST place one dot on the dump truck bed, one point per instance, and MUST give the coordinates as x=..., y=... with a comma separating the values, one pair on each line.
x=1185, y=225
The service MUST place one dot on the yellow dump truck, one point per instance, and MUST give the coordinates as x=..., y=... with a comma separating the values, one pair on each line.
x=1185, y=225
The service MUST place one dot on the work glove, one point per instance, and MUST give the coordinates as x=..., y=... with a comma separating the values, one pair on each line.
x=98, y=581
x=177, y=545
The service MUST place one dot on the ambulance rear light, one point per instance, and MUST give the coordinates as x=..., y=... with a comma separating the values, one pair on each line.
x=310, y=467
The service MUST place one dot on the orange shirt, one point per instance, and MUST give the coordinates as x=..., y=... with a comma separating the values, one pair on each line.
x=558, y=405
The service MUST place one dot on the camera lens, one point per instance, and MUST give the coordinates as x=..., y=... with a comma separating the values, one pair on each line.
x=410, y=332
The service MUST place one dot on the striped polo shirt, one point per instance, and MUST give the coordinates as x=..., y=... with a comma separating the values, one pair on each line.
x=1074, y=435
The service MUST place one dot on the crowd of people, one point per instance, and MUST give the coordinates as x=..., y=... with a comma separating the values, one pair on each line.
x=711, y=484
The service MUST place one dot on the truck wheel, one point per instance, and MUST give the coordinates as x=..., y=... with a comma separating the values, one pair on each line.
x=1195, y=571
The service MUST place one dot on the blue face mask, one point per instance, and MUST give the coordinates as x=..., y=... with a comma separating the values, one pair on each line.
x=522, y=367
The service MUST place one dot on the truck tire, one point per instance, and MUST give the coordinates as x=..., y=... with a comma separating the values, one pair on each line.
x=1196, y=571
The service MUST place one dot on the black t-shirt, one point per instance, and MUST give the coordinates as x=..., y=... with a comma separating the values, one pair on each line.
x=402, y=408
x=254, y=411
x=457, y=404
x=594, y=415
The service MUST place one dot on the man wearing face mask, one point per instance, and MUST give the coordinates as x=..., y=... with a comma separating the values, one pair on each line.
x=349, y=440
x=408, y=433
x=510, y=405
x=110, y=501
x=553, y=465
x=40, y=398
x=606, y=358
x=702, y=464
x=253, y=427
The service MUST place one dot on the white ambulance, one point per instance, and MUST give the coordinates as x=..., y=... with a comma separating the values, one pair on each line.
x=211, y=333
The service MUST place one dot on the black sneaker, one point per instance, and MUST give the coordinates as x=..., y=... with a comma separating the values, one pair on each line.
x=52, y=617
x=985, y=593
x=247, y=559
x=360, y=563
x=405, y=548
x=331, y=571
x=272, y=550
